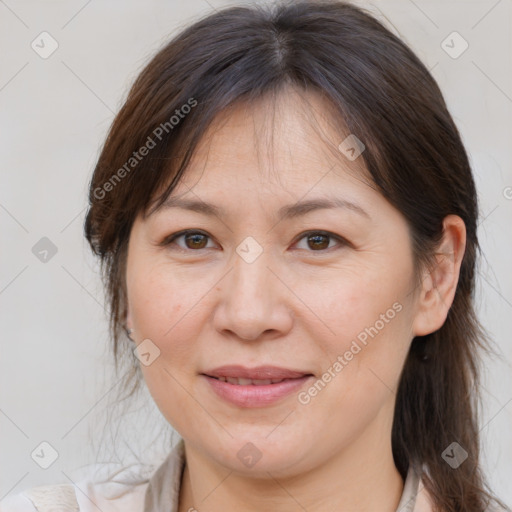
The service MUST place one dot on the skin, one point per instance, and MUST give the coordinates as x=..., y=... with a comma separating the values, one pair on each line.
x=296, y=306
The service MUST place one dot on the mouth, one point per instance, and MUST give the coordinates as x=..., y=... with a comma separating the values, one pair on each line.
x=252, y=390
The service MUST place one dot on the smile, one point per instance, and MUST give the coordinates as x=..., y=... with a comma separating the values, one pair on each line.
x=251, y=393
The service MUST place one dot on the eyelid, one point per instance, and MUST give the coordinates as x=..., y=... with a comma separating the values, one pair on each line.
x=341, y=241
x=171, y=238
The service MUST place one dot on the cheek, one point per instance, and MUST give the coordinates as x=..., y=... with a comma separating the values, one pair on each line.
x=353, y=303
x=165, y=309
x=363, y=367
x=161, y=301
x=368, y=317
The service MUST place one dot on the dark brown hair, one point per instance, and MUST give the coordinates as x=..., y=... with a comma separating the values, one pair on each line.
x=414, y=154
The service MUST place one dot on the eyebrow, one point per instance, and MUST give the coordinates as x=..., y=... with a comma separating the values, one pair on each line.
x=284, y=213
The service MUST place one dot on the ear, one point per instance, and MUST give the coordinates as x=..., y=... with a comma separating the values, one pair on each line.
x=440, y=283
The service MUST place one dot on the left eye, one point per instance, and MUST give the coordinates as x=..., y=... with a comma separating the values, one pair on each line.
x=320, y=240
x=196, y=240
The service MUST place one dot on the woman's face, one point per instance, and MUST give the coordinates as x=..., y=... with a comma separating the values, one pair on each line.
x=327, y=292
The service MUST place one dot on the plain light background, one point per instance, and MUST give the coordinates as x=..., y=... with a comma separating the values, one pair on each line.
x=56, y=379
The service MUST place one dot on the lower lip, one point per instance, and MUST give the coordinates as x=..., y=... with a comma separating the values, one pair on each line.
x=255, y=396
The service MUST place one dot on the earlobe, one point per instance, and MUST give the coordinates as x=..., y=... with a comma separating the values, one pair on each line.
x=128, y=324
x=440, y=283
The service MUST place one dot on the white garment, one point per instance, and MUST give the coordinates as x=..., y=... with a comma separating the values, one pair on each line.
x=95, y=488
x=107, y=488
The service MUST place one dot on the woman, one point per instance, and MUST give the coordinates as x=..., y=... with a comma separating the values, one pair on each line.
x=286, y=218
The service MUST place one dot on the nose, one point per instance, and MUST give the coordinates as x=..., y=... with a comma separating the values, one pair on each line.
x=253, y=303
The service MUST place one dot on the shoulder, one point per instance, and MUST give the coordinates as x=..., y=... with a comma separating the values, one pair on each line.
x=42, y=498
x=105, y=487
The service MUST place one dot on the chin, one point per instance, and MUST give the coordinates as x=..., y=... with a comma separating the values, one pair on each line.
x=257, y=456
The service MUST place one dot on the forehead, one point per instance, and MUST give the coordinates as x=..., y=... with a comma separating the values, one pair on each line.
x=279, y=159
x=287, y=141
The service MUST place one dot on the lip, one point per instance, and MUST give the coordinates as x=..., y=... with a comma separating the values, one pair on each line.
x=251, y=395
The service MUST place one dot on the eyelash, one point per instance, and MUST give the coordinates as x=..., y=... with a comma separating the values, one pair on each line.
x=169, y=240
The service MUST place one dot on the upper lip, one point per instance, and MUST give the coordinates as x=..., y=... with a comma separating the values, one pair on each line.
x=256, y=373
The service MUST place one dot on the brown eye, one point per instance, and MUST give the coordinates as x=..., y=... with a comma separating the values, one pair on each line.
x=193, y=240
x=320, y=241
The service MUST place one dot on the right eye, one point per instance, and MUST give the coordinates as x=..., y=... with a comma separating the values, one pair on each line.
x=194, y=240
